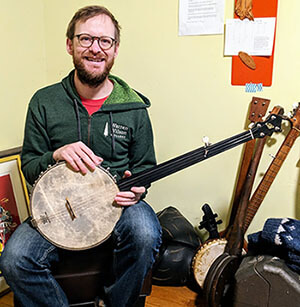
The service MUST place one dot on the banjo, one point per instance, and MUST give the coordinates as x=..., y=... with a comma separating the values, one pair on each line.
x=77, y=212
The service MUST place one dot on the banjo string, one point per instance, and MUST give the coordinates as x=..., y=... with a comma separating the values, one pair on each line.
x=78, y=206
x=182, y=162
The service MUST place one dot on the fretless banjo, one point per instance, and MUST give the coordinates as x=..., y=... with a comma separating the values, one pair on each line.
x=77, y=212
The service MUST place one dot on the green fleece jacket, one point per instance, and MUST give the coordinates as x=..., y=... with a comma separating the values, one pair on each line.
x=120, y=132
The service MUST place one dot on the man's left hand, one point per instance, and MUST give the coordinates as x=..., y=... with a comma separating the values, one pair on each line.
x=128, y=198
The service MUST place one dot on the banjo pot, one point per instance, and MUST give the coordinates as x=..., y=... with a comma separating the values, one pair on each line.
x=74, y=211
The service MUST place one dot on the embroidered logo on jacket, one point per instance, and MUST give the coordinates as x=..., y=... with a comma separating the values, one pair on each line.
x=119, y=131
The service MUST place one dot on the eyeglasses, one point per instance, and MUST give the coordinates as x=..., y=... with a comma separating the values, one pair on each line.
x=86, y=41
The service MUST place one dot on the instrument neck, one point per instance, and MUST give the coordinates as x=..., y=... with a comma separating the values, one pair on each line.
x=145, y=178
x=267, y=180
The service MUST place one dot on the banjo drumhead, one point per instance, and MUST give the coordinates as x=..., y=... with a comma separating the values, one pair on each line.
x=205, y=257
x=75, y=211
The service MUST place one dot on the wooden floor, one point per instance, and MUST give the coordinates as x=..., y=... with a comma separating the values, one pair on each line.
x=7, y=300
x=160, y=297
x=173, y=297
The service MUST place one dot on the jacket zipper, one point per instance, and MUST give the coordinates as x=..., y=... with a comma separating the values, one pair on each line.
x=89, y=129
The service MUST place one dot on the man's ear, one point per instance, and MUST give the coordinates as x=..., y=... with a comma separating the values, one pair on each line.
x=69, y=46
x=116, y=50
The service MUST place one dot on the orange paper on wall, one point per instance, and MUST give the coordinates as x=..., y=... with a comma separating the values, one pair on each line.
x=240, y=73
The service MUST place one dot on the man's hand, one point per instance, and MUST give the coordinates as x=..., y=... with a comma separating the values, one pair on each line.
x=78, y=156
x=131, y=197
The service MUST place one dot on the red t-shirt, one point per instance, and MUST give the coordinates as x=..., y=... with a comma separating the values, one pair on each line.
x=93, y=105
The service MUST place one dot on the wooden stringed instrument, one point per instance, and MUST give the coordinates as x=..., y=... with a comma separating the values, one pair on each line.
x=273, y=169
x=248, y=180
x=258, y=109
x=75, y=211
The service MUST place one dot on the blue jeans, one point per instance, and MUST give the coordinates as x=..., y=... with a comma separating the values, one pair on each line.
x=27, y=258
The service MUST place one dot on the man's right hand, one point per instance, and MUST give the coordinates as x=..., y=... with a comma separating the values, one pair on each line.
x=78, y=156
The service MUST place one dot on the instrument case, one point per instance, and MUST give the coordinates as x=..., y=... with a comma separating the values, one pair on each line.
x=266, y=281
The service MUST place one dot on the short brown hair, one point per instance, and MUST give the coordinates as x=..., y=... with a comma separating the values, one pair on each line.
x=88, y=12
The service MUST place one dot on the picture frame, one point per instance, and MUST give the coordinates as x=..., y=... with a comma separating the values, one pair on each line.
x=14, y=199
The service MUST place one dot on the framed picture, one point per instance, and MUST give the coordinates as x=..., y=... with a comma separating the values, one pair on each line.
x=14, y=199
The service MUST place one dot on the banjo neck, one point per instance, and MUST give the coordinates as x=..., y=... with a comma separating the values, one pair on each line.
x=146, y=177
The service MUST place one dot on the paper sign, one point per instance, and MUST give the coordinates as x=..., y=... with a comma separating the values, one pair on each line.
x=198, y=17
x=253, y=37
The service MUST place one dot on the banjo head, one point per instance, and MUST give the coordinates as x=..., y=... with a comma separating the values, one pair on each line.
x=75, y=211
x=205, y=257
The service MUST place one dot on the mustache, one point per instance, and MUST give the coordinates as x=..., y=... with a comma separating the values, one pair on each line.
x=92, y=80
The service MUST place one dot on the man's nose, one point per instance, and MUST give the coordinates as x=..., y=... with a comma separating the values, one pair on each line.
x=95, y=47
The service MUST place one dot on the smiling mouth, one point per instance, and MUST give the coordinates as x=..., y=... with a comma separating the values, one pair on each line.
x=94, y=60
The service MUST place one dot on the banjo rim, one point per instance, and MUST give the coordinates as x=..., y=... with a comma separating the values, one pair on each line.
x=104, y=238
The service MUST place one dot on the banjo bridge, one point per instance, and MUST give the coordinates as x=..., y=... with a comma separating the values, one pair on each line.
x=70, y=209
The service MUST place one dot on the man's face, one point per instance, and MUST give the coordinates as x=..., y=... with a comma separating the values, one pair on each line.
x=93, y=64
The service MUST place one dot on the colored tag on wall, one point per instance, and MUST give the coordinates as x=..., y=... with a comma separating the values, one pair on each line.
x=240, y=73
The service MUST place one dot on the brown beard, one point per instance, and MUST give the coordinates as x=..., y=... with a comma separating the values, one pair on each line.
x=89, y=79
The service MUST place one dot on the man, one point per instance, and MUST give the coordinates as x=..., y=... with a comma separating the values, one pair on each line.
x=91, y=117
